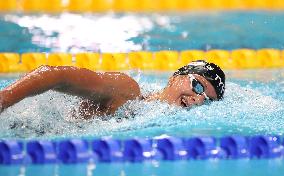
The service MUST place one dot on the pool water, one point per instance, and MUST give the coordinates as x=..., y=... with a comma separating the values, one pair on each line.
x=177, y=168
x=252, y=104
x=131, y=32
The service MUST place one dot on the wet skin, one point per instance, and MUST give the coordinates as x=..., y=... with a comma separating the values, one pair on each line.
x=101, y=93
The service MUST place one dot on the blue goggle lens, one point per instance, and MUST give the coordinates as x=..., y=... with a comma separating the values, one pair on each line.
x=197, y=87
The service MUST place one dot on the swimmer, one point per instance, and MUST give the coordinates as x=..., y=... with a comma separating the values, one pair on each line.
x=104, y=93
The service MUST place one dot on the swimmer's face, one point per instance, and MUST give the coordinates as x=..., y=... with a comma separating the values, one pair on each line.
x=179, y=91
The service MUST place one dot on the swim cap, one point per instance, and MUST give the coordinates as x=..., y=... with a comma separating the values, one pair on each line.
x=209, y=71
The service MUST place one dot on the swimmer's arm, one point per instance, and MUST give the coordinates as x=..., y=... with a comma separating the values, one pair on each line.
x=109, y=89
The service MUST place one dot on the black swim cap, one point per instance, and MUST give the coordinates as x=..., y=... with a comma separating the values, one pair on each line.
x=209, y=71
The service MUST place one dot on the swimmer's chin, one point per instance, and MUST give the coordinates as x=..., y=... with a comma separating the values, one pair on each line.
x=179, y=104
x=183, y=108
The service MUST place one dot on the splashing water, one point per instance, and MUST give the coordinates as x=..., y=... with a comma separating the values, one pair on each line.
x=244, y=110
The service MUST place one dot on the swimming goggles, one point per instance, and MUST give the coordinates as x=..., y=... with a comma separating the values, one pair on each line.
x=197, y=87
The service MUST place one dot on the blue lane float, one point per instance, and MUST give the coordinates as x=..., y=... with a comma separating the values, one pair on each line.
x=202, y=148
x=75, y=151
x=265, y=147
x=138, y=150
x=107, y=150
x=42, y=152
x=235, y=146
x=172, y=148
x=11, y=152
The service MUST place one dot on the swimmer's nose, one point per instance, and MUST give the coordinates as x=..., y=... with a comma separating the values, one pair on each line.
x=194, y=100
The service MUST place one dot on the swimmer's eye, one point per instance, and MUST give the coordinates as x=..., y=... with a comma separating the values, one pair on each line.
x=196, y=85
x=198, y=88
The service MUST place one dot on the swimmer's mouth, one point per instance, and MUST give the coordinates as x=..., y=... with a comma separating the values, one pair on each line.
x=183, y=103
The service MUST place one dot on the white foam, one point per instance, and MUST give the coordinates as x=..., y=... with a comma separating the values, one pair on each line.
x=243, y=111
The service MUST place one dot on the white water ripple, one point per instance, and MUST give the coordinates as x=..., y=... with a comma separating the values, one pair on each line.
x=243, y=111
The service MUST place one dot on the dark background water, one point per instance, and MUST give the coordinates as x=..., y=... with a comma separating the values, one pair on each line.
x=153, y=32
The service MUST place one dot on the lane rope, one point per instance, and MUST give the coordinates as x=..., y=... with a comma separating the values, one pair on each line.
x=58, y=6
x=72, y=151
x=143, y=60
